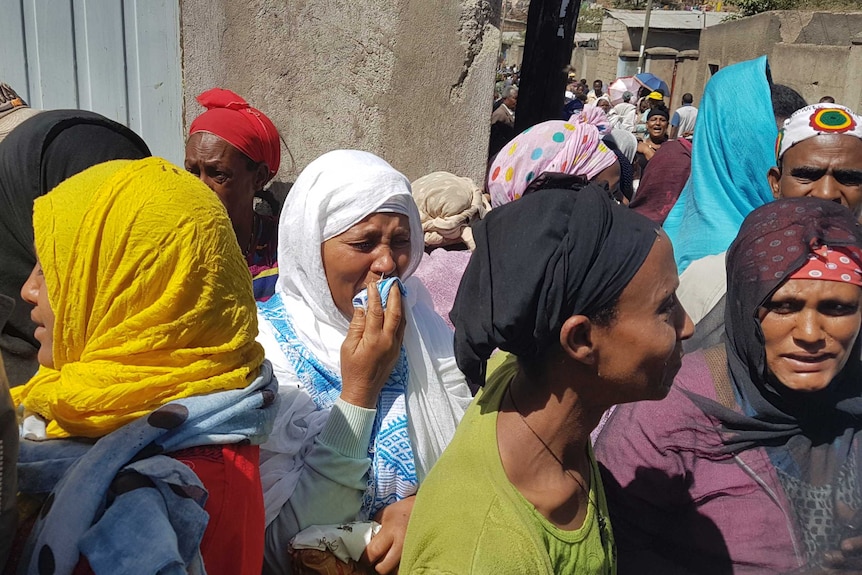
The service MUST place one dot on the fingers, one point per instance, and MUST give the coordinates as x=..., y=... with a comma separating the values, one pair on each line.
x=393, y=324
x=383, y=553
x=390, y=562
x=355, y=330
x=852, y=546
x=375, y=305
x=377, y=548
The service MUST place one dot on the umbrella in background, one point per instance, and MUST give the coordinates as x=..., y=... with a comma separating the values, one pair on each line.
x=652, y=82
x=620, y=86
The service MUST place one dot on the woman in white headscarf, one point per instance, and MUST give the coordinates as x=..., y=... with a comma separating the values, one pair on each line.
x=369, y=399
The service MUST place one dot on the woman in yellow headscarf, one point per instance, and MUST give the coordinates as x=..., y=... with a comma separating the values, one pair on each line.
x=147, y=322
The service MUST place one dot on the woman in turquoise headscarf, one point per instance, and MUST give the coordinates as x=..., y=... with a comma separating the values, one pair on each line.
x=732, y=151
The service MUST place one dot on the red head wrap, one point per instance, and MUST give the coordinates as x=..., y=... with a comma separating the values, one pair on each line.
x=247, y=129
x=840, y=264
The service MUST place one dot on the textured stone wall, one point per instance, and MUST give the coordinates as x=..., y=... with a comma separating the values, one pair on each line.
x=809, y=51
x=409, y=80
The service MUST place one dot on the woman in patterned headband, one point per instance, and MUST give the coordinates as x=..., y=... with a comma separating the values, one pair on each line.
x=752, y=464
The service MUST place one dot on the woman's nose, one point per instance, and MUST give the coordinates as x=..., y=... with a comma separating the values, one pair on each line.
x=807, y=328
x=30, y=289
x=384, y=262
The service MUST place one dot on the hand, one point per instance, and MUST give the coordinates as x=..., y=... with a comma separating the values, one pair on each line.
x=847, y=558
x=371, y=348
x=384, y=551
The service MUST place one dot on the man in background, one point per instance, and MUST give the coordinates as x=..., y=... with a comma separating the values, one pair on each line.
x=682, y=122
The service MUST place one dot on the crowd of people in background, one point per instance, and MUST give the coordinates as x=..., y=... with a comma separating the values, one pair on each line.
x=633, y=347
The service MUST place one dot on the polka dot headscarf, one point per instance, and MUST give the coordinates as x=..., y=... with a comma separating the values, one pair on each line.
x=574, y=147
x=828, y=264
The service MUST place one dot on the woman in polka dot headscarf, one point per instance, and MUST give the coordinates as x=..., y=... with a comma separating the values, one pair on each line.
x=574, y=148
x=766, y=430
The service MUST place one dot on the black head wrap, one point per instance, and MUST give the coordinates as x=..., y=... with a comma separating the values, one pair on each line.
x=658, y=111
x=774, y=241
x=538, y=261
x=34, y=158
x=813, y=440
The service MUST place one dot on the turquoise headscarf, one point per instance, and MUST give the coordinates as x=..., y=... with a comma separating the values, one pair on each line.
x=734, y=147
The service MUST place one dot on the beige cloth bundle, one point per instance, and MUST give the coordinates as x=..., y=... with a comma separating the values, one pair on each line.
x=448, y=204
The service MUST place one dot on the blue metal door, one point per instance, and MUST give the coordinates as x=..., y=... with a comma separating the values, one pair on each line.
x=120, y=58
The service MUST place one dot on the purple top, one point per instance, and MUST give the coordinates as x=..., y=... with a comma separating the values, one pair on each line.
x=674, y=511
x=441, y=272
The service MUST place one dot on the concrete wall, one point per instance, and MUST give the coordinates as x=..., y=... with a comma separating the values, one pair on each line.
x=613, y=40
x=410, y=81
x=817, y=71
x=585, y=62
x=809, y=51
x=688, y=79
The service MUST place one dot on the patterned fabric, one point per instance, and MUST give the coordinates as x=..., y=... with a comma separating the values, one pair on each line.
x=392, y=475
x=120, y=502
x=573, y=147
x=816, y=120
x=836, y=265
x=263, y=259
x=815, y=505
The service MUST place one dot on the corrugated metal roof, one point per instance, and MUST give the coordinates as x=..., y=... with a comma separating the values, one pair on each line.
x=669, y=19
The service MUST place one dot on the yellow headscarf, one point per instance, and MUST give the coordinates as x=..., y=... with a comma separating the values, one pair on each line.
x=151, y=296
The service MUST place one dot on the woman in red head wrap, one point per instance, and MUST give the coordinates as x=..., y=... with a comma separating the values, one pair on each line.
x=235, y=150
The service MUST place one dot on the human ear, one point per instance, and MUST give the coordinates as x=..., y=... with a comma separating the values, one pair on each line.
x=774, y=176
x=576, y=339
x=261, y=175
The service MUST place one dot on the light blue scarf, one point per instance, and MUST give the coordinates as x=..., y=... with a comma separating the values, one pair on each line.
x=733, y=149
x=392, y=475
x=154, y=519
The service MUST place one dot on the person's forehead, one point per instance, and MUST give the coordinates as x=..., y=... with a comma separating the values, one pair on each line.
x=846, y=149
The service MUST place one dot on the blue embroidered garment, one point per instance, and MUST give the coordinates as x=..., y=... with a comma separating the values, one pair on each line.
x=124, y=505
x=392, y=475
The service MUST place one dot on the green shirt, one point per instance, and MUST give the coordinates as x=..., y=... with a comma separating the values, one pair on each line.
x=468, y=517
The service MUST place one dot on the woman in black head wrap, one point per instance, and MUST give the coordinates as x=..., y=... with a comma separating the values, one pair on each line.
x=656, y=135
x=34, y=158
x=760, y=436
x=581, y=291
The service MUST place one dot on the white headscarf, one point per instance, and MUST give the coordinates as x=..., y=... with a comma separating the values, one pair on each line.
x=331, y=195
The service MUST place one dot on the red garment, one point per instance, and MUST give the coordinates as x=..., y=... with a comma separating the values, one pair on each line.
x=247, y=129
x=233, y=540
x=837, y=265
x=663, y=180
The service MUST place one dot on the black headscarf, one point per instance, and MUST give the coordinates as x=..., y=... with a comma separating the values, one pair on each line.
x=658, y=111
x=812, y=439
x=538, y=261
x=34, y=158
x=774, y=241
